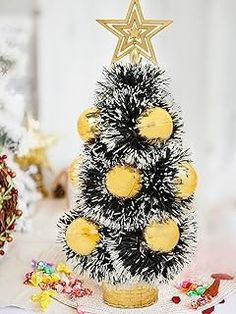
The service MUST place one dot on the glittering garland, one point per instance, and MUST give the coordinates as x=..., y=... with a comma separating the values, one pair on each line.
x=122, y=255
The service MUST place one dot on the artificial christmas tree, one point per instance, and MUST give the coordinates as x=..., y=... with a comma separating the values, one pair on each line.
x=133, y=226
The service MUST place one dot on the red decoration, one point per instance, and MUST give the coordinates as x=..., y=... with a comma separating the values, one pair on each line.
x=208, y=311
x=222, y=302
x=8, y=204
x=176, y=299
x=213, y=290
x=222, y=276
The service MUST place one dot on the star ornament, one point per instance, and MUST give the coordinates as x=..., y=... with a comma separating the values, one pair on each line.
x=134, y=34
x=37, y=154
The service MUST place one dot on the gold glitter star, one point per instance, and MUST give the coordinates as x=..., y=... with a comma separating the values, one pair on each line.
x=134, y=34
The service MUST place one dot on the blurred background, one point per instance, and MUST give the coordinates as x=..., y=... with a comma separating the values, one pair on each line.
x=60, y=51
x=52, y=53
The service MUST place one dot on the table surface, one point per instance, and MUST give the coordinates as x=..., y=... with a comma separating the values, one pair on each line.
x=25, y=247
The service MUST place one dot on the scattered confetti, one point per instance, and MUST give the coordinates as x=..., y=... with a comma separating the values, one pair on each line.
x=55, y=280
x=200, y=293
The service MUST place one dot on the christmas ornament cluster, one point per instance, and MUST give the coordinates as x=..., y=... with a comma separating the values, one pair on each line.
x=133, y=222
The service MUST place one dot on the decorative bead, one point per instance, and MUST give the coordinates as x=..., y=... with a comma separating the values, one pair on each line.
x=208, y=311
x=2, y=252
x=11, y=227
x=19, y=213
x=9, y=239
x=176, y=299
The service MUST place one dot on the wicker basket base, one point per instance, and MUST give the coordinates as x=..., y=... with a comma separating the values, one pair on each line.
x=137, y=297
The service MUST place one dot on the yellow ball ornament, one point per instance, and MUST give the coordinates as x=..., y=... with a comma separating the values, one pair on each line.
x=186, y=180
x=123, y=181
x=155, y=124
x=82, y=236
x=162, y=236
x=87, y=124
x=73, y=174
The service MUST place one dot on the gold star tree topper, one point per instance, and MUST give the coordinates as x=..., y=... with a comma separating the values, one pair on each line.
x=134, y=34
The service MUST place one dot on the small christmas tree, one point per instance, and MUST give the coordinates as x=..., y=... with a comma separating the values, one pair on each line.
x=133, y=226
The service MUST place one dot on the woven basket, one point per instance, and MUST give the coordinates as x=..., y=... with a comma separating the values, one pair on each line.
x=137, y=297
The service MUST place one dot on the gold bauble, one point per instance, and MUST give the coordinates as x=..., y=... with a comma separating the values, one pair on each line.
x=82, y=236
x=73, y=175
x=186, y=180
x=123, y=181
x=155, y=124
x=87, y=124
x=162, y=236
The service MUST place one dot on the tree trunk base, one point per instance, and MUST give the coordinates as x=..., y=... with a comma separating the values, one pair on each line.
x=137, y=296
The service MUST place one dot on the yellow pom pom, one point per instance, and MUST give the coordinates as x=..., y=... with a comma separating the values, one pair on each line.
x=123, y=181
x=82, y=236
x=73, y=174
x=155, y=124
x=162, y=236
x=87, y=124
x=186, y=180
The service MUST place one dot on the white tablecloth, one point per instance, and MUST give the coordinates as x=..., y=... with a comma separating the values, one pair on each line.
x=41, y=244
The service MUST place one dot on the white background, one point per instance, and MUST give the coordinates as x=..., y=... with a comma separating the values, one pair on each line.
x=197, y=51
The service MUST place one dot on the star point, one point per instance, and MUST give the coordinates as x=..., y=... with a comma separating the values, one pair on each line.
x=134, y=34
